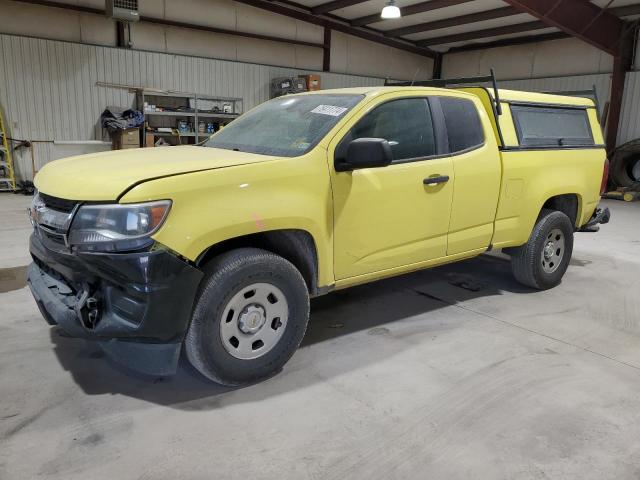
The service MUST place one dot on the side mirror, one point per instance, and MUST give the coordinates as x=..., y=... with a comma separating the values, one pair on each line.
x=366, y=153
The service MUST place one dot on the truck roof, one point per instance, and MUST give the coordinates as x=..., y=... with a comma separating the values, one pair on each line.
x=505, y=95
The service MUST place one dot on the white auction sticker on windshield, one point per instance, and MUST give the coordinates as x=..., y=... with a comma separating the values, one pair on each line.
x=329, y=110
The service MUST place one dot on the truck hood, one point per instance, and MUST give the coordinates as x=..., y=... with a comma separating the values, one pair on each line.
x=106, y=175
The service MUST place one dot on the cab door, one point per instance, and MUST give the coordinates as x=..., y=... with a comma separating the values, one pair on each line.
x=397, y=215
x=478, y=169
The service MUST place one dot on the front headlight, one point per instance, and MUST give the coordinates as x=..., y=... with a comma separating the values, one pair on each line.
x=117, y=227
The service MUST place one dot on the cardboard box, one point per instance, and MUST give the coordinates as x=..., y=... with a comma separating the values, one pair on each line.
x=313, y=82
x=149, y=140
x=129, y=138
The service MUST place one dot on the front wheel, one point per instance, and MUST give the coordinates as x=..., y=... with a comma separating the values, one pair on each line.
x=543, y=260
x=249, y=317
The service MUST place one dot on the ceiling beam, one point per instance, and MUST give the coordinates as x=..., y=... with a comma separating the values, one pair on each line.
x=453, y=21
x=623, y=11
x=626, y=10
x=506, y=42
x=409, y=10
x=326, y=52
x=486, y=33
x=517, y=28
x=334, y=24
x=334, y=5
x=579, y=18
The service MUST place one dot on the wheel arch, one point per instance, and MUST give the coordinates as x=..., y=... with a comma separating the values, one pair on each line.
x=568, y=203
x=295, y=245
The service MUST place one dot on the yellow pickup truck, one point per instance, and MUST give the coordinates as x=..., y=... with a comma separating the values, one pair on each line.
x=217, y=248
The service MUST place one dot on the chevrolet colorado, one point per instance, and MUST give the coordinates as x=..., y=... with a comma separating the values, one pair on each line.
x=217, y=248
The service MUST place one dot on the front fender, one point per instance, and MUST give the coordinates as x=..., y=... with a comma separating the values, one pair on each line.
x=212, y=206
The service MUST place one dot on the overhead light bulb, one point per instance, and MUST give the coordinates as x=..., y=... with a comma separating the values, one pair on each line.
x=390, y=10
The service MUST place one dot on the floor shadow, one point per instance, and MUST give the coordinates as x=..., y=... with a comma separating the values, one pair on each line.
x=577, y=262
x=368, y=307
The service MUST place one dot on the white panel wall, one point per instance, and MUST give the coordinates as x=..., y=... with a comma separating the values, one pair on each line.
x=48, y=88
x=350, y=55
x=354, y=55
x=55, y=23
x=601, y=82
x=554, y=58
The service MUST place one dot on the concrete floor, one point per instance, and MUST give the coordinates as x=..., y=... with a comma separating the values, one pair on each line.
x=414, y=377
x=14, y=249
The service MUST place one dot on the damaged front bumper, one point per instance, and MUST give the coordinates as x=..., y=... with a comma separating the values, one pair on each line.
x=136, y=305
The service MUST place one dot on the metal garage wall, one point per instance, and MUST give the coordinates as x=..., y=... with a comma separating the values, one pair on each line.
x=602, y=82
x=630, y=115
x=48, y=88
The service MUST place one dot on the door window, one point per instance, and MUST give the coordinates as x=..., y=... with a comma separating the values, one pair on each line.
x=464, y=129
x=406, y=124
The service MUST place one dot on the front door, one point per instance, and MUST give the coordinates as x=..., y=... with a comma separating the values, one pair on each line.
x=389, y=217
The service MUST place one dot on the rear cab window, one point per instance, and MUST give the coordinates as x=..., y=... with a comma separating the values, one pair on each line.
x=551, y=126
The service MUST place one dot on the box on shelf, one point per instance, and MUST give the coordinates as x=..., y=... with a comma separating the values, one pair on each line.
x=312, y=81
x=127, y=138
x=283, y=85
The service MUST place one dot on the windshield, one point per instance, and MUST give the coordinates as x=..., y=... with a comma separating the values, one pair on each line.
x=286, y=126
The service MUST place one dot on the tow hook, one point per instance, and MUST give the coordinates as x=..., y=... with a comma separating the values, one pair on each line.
x=87, y=309
x=600, y=216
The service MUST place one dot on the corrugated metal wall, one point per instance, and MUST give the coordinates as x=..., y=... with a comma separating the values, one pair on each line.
x=630, y=115
x=49, y=92
x=602, y=83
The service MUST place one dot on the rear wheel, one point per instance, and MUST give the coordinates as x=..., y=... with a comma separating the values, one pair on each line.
x=543, y=260
x=249, y=318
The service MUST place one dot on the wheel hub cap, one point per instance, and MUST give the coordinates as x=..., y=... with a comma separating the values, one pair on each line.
x=553, y=251
x=548, y=250
x=251, y=319
x=254, y=320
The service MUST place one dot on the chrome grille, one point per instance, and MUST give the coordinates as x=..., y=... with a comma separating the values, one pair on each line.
x=51, y=218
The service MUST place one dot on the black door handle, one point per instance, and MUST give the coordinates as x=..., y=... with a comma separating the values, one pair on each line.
x=436, y=180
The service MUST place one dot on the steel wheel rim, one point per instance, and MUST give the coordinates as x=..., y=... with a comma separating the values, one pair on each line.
x=254, y=320
x=553, y=251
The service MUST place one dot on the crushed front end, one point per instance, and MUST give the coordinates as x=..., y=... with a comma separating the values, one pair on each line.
x=124, y=291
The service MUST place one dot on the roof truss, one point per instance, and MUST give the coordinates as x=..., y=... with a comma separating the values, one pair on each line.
x=451, y=22
x=579, y=18
x=409, y=10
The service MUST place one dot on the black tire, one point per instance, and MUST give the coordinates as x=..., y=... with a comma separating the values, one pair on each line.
x=623, y=160
x=227, y=275
x=527, y=260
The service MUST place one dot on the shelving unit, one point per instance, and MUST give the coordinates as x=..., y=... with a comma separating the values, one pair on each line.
x=170, y=109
